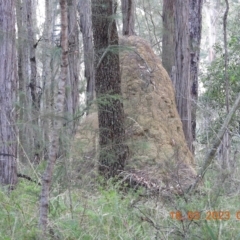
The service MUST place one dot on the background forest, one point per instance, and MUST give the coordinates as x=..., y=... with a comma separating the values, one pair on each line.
x=65, y=128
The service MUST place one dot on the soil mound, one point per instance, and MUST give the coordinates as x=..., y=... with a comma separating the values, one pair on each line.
x=158, y=150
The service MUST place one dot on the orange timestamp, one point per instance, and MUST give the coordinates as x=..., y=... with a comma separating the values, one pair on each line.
x=209, y=215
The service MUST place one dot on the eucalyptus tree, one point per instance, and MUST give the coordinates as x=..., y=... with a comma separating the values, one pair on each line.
x=128, y=11
x=113, y=150
x=178, y=13
x=181, y=46
x=8, y=81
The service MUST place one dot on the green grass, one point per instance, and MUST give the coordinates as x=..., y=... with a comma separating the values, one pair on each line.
x=107, y=213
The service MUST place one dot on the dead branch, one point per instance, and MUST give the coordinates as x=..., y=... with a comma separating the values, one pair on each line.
x=215, y=144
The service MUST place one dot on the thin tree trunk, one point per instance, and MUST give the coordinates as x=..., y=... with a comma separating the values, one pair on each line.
x=195, y=31
x=22, y=116
x=72, y=93
x=32, y=51
x=113, y=151
x=85, y=12
x=226, y=138
x=35, y=90
x=47, y=71
x=128, y=7
x=58, y=123
x=8, y=83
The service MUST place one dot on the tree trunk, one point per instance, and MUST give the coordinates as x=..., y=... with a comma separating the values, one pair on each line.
x=168, y=49
x=227, y=138
x=23, y=81
x=176, y=59
x=182, y=80
x=128, y=7
x=47, y=80
x=72, y=87
x=32, y=51
x=211, y=14
x=195, y=30
x=58, y=123
x=113, y=151
x=85, y=12
x=8, y=83
x=35, y=89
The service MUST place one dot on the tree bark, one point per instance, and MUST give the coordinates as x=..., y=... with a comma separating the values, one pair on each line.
x=47, y=81
x=85, y=12
x=22, y=82
x=176, y=59
x=195, y=31
x=168, y=40
x=58, y=123
x=72, y=86
x=35, y=89
x=128, y=7
x=211, y=14
x=182, y=81
x=32, y=51
x=8, y=83
x=113, y=150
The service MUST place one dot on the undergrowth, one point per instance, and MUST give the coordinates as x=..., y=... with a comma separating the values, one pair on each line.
x=108, y=213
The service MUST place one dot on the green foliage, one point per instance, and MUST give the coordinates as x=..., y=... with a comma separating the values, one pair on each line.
x=213, y=100
x=107, y=213
x=19, y=212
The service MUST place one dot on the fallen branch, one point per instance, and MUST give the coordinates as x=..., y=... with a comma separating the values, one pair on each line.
x=28, y=178
x=215, y=144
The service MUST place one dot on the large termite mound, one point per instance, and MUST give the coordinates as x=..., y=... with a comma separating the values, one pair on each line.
x=158, y=150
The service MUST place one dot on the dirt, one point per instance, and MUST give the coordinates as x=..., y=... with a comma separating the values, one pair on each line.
x=158, y=149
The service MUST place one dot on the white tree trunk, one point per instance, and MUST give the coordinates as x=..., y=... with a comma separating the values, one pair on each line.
x=211, y=14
